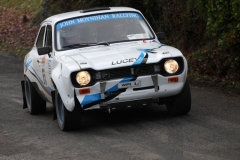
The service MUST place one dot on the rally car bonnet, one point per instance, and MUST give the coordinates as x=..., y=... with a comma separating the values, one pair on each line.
x=106, y=57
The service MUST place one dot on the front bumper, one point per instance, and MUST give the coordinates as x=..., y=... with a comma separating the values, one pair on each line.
x=107, y=93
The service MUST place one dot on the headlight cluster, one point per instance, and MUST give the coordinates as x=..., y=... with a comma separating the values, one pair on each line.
x=171, y=66
x=83, y=78
x=166, y=67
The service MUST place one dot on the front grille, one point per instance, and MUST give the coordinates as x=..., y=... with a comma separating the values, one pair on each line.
x=130, y=71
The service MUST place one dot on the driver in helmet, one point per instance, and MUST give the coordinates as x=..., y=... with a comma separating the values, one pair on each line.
x=119, y=30
x=69, y=36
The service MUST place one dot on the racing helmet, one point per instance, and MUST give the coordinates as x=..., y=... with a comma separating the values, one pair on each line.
x=68, y=32
x=119, y=27
x=69, y=35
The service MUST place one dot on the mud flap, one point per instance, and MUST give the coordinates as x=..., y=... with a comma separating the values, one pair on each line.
x=23, y=93
x=54, y=107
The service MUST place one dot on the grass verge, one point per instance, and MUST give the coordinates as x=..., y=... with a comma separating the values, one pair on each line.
x=22, y=6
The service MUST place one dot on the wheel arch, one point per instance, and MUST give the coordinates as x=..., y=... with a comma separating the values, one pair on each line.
x=36, y=87
x=63, y=84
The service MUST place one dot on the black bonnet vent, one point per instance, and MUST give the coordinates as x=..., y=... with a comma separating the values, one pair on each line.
x=94, y=9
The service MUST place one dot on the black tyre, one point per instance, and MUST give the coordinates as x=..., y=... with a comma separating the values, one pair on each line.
x=35, y=103
x=67, y=120
x=181, y=103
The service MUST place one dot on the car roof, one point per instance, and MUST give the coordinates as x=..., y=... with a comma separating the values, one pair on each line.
x=68, y=15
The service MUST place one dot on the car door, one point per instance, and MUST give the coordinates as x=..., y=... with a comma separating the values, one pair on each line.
x=38, y=61
x=48, y=59
x=42, y=63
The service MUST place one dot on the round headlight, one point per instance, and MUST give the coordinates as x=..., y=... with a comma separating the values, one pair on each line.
x=83, y=78
x=171, y=66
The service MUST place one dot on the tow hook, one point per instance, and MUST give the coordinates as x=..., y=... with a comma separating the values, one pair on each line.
x=102, y=89
x=155, y=82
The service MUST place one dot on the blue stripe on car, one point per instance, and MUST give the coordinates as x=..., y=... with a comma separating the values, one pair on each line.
x=161, y=45
x=48, y=89
x=91, y=98
x=150, y=50
x=96, y=97
x=139, y=61
x=28, y=62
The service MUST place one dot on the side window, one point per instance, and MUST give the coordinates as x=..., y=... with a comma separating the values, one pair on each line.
x=40, y=37
x=48, y=37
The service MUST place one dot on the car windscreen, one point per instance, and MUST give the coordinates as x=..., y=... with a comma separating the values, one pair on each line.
x=101, y=29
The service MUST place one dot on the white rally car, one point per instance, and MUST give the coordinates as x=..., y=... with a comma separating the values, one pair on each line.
x=102, y=58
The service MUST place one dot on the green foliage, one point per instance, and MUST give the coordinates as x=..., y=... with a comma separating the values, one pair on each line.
x=216, y=64
x=197, y=54
x=223, y=23
x=220, y=56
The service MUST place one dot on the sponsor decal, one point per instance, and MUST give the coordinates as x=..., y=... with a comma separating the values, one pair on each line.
x=155, y=41
x=144, y=41
x=129, y=84
x=44, y=77
x=137, y=61
x=152, y=50
x=115, y=88
x=165, y=52
x=83, y=63
x=124, y=61
x=125, y=84
x=95, y=18
x=137, y=36
x=148, y=50
x=43, y=60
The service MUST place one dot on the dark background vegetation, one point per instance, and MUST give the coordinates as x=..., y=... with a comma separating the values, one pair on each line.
x=206, y=31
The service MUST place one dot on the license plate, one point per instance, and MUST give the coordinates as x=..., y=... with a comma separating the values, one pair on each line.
x=129, y=84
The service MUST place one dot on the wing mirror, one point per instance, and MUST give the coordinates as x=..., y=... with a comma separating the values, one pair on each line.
x=44, y=50
x=160, y=36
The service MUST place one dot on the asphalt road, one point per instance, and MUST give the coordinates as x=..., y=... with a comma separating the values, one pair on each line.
x=211, y=131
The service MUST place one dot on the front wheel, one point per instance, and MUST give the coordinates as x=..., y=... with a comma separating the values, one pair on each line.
x=67, y=120
x=35, y=104
x=181, y=103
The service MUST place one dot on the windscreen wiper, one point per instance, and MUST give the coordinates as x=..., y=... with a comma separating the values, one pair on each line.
x=86, y=44
x=76, y=45
x=103, y=43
